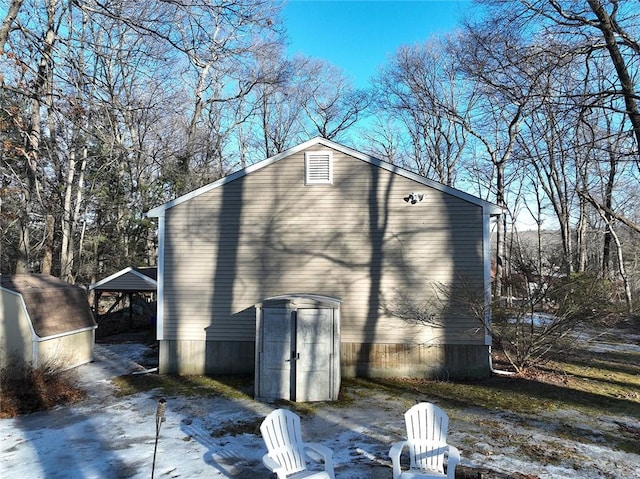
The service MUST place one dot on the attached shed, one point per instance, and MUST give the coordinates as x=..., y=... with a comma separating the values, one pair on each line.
x=298, y=348
x=324, y=219
x=44, y=320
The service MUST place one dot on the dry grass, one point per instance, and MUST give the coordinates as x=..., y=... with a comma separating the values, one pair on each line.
x=24, y=389
x=230, y=387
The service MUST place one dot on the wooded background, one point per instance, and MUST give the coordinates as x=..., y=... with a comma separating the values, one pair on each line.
x=109, y=108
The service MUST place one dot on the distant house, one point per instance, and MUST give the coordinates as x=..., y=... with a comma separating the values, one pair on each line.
x=44, y=321
x=321, y=220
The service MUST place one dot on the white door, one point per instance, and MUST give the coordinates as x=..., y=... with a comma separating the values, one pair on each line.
x=314, y=350
x=296, y=357
x=275, y=361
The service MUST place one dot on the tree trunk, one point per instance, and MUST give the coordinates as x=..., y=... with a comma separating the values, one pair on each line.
x=76, y=214
x=66, y=252
x=567, y=242
x=22, y=261
x=621, y=267
x=41, y=88
x=608, y=203
x=623, y=273
x=47, y=256
x=581, y=239
x=500, y=232
x=12, y=13
x=610, y=29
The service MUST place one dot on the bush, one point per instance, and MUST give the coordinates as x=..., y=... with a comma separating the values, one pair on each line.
x=528, y=337
x=584, y=298
x=25, y=389
x=529, y=330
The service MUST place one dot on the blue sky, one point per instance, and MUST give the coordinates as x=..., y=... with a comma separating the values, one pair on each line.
x=359, y=35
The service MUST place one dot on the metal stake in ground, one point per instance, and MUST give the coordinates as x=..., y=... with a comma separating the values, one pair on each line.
x=160, y=418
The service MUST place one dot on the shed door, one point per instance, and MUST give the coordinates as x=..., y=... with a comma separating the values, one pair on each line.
x=275, y=363
x=314, y=350
x=297, y=351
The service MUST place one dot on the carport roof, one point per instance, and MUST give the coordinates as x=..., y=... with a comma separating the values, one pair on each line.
x=129, y=280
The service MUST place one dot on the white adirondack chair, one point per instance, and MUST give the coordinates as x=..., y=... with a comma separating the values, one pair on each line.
x=427, y=444
x=288, y=454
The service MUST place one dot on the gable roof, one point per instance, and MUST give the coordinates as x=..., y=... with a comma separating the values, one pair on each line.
x=489, y=207
x=129, y=279
x=54, y=307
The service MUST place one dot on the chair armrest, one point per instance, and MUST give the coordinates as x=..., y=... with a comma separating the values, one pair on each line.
x=394, y=454
x=323, y=451
x=272, y=465
x=317, y=452
x=453, y=458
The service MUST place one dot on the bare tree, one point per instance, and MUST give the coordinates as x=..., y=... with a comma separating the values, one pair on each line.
x=281, y=103
x=330, y=102
x=385, y=139
x=223, y=46
x=590, y=32
x=39, y=92
x=101, y=109
x=7, y=23
x=547, y=140
x=617, y=39
x=421, y=91
x=503, y=87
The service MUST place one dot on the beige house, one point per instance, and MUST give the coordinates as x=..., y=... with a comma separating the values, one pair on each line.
x=44, y=322
x=324, y=220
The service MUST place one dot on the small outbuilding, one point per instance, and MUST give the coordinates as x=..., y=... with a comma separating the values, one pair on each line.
x=129, y=280
x=126, y=290
x=44, y=321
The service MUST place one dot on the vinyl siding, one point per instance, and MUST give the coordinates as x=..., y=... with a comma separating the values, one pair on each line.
x=67, y=351
x=15, y=333
x=267, y=234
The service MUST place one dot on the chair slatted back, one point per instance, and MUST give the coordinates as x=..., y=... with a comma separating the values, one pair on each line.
x=427, y=436
x=282, y=435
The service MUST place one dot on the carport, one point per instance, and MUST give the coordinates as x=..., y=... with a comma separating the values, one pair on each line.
x=126, y=283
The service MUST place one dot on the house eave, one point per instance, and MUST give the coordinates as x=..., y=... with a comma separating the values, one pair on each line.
x=492, y=209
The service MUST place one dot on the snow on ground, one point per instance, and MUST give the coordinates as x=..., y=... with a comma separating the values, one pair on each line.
x=114, y=437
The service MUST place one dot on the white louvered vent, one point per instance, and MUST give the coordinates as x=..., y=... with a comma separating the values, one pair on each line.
x=318, y=167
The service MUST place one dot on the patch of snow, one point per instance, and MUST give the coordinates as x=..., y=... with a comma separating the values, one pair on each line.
x=108, y=436
x=603, y=343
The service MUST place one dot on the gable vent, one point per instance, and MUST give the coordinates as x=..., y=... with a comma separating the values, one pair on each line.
x=318, y=167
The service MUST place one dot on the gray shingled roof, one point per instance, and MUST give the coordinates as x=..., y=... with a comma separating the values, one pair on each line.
x=55, y=307
x=129, y=280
